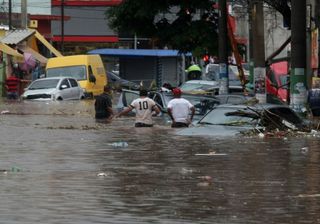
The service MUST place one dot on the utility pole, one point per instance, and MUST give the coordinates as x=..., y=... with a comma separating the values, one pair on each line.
x=24, y=14
x=62, y=26
x=259, y=51
x=298, y=87
x=10, y=15
x=317, y=23
x=223, y=48
x=251, y=60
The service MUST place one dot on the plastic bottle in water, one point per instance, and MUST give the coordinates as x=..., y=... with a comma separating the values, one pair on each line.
x=119, y=144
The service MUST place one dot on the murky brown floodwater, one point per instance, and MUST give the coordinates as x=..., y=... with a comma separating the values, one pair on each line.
x=62, y=169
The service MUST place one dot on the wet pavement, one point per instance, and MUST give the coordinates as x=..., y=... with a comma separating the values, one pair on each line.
x=58, y=165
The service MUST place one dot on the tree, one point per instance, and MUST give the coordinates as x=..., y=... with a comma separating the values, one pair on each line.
x=187, y=25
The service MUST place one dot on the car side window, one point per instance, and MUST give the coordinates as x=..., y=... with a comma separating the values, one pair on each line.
x=65, y=82
x=73, y=83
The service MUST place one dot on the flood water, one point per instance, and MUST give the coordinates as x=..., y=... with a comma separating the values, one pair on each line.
x=58, y=166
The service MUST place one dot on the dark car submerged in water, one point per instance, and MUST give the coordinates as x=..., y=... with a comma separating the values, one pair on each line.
x=162, y=98
x=233, y=120
x=202, y=103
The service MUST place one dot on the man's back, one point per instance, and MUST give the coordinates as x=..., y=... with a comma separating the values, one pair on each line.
x=101, y=104
x=180, y=108
x=143, y=107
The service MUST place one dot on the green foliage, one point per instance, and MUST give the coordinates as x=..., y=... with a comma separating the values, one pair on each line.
x=186, y=25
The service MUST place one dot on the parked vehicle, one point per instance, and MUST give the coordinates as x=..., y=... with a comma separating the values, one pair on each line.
x=208, y=87
x=201, y=103
x=277, y=80
x=87, y=69
x=119, y=83
x=213, y=73
x=55, y=88
x=234, y=120
x=236, y=98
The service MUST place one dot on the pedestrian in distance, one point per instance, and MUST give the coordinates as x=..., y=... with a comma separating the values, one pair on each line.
x=103, y=105
x=179, y=110
x=12, y=85
x=145, y=108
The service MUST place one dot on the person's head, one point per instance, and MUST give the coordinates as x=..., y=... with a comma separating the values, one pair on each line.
x=167, y=85
x=176, y=92
x=107, y=89
x=143, y=92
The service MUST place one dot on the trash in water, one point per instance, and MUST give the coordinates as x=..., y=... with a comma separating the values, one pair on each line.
x=4, y=171
x=5, y=112
x=15, y=169
x=211, y=154
x=102, y=174
x=304, y=149
x=119, y=144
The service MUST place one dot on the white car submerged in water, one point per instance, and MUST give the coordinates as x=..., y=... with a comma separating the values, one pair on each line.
x=56, y=88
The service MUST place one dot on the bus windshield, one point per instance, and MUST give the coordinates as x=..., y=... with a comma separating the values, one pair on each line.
x=78, y=72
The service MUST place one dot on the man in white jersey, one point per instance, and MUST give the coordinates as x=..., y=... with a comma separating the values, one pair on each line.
x=144, y=107
x=179, y=110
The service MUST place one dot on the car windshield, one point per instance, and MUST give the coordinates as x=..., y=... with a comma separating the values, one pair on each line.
x=186, y=87
x=283, y=81
x=78, y=72
x=201, y=103
x=44, y=84
x=213, y=73
x=230, y=116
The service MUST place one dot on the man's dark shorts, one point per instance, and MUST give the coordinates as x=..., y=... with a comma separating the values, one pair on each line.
x=179, y=125
x=141, y=125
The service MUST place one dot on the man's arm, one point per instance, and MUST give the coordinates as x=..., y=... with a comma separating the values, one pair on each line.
x=170, y=114
x=193, y=110
x=156, y=109
x=125, y=111
x=109, y=110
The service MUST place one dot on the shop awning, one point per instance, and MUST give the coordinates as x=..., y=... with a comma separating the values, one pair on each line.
x=16, y=36
x=10, y=51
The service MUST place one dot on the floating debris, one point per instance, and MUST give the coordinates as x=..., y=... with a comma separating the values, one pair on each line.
x=307, y=196
x=304, y=149
x=5, y=112
x=211, y=154
x=119, y=144
x=16, y=169
x=102, y=174
x=206, y=178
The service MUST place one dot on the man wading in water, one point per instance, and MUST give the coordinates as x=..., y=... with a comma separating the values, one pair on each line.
x=179, y=109
x=103, y=105
x=144, y=107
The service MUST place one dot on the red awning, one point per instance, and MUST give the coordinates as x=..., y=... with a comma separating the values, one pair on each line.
x=87, y=2
x=111, y=39
x=48, y=17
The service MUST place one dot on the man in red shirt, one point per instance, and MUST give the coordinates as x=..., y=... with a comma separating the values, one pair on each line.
x=12, y=86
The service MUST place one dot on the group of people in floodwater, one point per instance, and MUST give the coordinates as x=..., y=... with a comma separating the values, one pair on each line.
x=180, y=110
